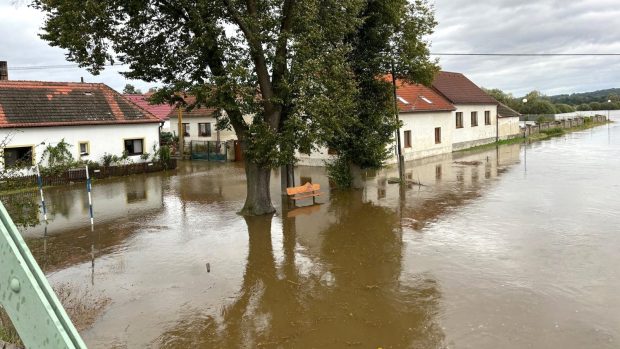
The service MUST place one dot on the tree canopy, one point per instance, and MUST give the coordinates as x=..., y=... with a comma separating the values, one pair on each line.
x=131, y=90
x=306, y=72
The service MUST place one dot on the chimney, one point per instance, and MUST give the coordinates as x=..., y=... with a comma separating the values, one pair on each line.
x=4, y=71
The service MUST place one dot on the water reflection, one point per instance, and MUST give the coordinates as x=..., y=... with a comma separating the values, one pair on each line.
x=346, y=293
x=335, y=274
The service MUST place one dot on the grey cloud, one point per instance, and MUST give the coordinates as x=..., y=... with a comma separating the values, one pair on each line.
x=544, y=26
x=468, y=26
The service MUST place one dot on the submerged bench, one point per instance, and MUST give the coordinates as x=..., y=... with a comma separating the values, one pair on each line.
x=307, y=190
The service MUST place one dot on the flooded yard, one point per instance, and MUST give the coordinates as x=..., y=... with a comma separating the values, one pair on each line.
x=505, y=248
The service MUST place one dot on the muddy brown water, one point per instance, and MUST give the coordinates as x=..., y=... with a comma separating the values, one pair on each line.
x=506, y=248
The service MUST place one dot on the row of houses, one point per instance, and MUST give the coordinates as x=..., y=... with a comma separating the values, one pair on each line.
x=96, y=121
x=452, y=114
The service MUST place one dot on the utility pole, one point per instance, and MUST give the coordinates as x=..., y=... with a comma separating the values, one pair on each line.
x=181, y=131
x=399, y=151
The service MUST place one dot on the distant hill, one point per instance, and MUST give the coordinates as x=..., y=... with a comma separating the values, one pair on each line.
x=600, y=96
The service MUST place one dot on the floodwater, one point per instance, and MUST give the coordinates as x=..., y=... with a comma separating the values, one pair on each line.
x=513, y=247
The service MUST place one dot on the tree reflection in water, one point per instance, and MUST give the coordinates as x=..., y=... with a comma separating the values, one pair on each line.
x=353, y=295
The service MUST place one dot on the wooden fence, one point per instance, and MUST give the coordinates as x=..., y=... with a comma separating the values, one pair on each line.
x=79, y=174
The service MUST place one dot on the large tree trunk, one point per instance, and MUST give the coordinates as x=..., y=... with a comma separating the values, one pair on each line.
x=258, y=198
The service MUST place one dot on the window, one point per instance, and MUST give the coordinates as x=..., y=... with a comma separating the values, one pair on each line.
x=459, y=119
x=84, y=148
x=185, y=130
x=438, y=172
x=487, y=117
x=134, y=146
x=17, y=156
x=474, y=118
x=204, y=129
x=331, y=151
x=437, y=135
x=407, y=139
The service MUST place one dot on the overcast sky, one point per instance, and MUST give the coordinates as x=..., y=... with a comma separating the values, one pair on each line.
x=465, y=26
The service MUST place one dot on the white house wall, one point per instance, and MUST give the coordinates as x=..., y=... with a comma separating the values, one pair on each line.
x=509, y=127
x=422, y=127
x=470, y=136
x=193, y=121
x=102, y=139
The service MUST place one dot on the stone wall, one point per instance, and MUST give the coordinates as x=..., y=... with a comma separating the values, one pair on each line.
x=563, y=124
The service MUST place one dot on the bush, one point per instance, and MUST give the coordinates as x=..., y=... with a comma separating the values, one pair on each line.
x=339, y=172
x=553, y=131
x=167, y=138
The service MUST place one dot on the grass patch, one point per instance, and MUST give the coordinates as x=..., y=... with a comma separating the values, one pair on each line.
x=543, y=134
x=81, y=305
x=553, y=131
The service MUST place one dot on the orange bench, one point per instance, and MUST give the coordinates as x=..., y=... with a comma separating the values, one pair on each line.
x=307, y=190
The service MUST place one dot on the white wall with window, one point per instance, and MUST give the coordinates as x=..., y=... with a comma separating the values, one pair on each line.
x=426, y=134
x=86, y=142
x=201, y=128
x=473, y=125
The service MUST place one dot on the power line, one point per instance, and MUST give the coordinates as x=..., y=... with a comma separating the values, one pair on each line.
x=60, y=66
x=71, y=66
x=525, y=54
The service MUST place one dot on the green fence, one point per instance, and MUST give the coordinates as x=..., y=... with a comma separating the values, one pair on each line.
x=209, y=150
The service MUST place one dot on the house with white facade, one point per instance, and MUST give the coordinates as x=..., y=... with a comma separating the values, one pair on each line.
x=198, y=124
x=475, y=117
x=426, y=116
x=92, y=118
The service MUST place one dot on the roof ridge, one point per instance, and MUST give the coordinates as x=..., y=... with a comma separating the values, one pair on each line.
x=18, y=82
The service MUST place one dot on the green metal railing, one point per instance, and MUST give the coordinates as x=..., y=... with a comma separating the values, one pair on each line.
x=28, y=298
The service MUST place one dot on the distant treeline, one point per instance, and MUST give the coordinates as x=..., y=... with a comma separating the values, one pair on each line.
x=538, y=103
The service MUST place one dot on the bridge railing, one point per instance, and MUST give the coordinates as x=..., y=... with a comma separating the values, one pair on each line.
x=27, y=297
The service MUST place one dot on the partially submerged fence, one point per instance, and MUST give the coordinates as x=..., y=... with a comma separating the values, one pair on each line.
x=79, y=174
x=209, y=150
x=563, y=124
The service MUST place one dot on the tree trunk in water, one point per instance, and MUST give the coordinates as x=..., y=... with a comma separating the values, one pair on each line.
x=258, y=198
x=356, y=176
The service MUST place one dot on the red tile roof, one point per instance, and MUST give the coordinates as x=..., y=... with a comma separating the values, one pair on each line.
x=419, y=98
x=194, y=113
x=159, y=110
x=38, y=103
x=458, y=89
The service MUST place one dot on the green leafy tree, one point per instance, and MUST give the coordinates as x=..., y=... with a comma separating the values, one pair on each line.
x=564, y=108
x=538, y=106
x=57, y=155
x=391, y=36
x=285, y=63
x=131, y=90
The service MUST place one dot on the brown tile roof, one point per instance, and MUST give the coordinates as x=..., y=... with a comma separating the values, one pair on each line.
x=504, y=111
x=458, y=89
x=159, y=110
x=419, y=98
x=194, y=113
x=38, y=103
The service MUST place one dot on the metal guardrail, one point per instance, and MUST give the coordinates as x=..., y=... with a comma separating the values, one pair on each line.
x=28, y=298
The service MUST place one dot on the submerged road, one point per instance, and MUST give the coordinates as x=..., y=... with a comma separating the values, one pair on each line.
x=507, y=248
